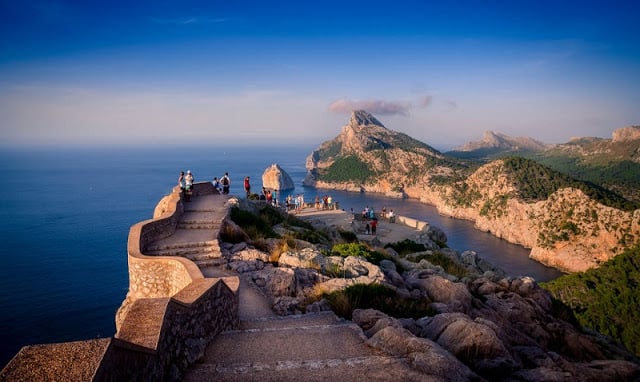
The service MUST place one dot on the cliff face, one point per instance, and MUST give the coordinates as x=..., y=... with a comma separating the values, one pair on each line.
x=567, y=230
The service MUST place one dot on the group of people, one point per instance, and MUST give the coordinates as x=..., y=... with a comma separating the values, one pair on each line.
x=369, y=215
x=325, y=203
x=295, y=202
x=185, y=182
x=222, y=184
x=269, y=196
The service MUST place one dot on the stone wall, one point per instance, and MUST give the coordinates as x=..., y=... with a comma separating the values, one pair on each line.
x=169, y=316
x=161, y=337
x=411, y=222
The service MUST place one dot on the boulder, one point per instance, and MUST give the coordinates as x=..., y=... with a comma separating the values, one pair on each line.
x=439, y=289
x=423, y=354
x=275, y=178
x=475, y=342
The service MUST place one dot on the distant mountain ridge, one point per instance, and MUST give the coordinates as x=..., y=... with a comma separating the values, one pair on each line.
x=612, y=163
x=568, y=224
x=494, y=143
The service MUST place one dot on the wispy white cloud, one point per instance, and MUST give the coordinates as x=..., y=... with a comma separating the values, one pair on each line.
x=425, y=101
x=191, y=20
x=380, y=107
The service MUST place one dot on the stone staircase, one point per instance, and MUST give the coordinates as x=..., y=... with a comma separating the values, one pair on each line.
x=266, y=347
x=311, y=347
x=196, y=235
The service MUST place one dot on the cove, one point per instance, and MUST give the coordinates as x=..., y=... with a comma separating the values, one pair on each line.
x=462, y=235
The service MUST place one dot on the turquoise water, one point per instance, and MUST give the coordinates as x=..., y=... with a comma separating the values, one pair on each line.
x=65, y=215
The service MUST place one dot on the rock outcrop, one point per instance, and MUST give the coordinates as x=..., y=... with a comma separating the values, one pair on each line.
x=625, y=134
x=568, y=230
x=275, y=178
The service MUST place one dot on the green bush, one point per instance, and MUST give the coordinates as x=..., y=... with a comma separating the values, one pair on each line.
x=358, y=250
x=447, y=263
x=348, y=236
x=406, y=247
x=379, y=297
x=606, y=299
x=256, y=226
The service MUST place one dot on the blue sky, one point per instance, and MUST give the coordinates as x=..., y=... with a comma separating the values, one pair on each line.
x=85, y=72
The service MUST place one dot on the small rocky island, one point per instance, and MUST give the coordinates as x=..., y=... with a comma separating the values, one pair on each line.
x=275, y=178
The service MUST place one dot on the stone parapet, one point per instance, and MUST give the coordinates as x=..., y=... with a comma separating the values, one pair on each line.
x=170, y=314
x=411, y=222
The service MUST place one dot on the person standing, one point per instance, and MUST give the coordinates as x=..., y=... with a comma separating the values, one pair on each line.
x=188, y=185
x=374, y=225
x=181, y=181
x=226, y=182
x=247, y=186
x=216, y=184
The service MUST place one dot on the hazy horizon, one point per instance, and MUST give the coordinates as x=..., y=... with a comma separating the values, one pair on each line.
x=162, y=73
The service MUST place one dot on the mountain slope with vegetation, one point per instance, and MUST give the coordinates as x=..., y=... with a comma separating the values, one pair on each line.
x=569, y=224
x=606, y=299
x=611, y=163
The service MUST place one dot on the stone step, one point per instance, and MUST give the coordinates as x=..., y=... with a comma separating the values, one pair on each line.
x=295, y=321
x=181, y=245
x=355, y=369
x=213, y=262
x=199, y=225
x=314, y=347
x=192, y=253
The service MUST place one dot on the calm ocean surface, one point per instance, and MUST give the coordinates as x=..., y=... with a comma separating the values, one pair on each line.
x=65, y=215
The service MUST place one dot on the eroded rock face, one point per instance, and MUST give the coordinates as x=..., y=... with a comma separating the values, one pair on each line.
x=629, y=133
x=275, y=178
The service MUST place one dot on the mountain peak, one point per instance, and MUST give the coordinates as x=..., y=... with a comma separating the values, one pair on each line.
x=363, y=118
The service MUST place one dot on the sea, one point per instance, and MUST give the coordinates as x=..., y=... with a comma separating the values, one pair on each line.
x=65, y=214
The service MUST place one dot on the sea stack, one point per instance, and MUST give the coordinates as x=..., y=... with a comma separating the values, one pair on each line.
x=275, y=178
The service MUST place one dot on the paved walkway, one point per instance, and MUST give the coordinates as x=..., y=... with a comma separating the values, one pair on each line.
x=266, y=347
x=386, y=232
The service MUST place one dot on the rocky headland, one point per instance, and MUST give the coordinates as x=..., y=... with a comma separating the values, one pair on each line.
x=563, y=223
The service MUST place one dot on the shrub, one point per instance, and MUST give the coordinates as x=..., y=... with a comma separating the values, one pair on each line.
x=447, y=263
x=606, y=299
x=256, y=226
x=358, y=250
x=406, y=247
x=376, y=296
x=348, y=236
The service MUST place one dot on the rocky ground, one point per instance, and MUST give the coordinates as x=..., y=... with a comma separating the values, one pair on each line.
x=484, y=326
